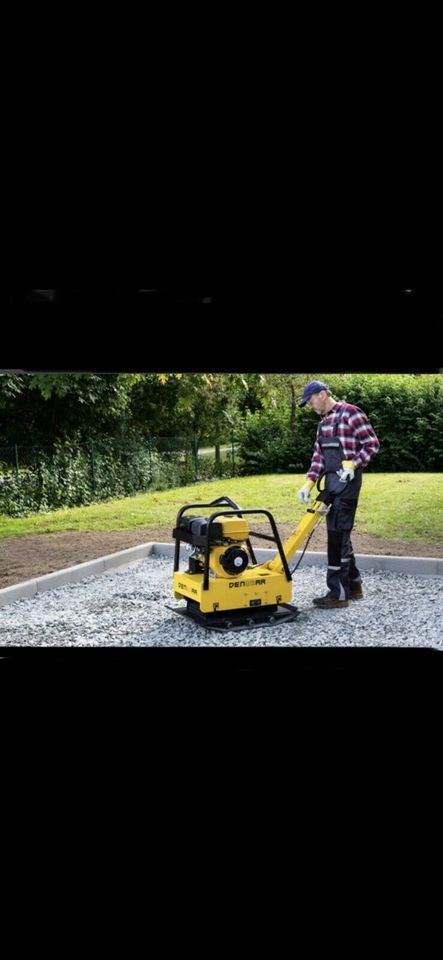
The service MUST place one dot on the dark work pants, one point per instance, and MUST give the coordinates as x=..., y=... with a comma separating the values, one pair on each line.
x=342, y=570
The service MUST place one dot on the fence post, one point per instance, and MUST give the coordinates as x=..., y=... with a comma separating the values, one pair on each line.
x=150, y=457
x=16, y=457
x=93, y=465
x=217, y=459
x=195, y=453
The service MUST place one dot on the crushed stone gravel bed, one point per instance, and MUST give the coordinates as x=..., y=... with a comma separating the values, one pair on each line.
x=127, y=607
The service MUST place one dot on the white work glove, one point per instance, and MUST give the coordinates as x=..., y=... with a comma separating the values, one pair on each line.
x=305, y=492
x=347, y=471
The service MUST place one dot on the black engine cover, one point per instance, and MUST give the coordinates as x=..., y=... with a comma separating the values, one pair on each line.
x=194, y=529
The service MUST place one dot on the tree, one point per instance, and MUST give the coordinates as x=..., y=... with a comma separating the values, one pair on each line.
x=284, y=389
x=212, y=405
x=40, y=408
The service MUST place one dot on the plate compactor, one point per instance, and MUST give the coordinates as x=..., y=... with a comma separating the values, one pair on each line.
x=224, y=586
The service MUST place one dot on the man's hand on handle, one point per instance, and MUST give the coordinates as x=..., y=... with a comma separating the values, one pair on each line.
x=347, y=471
x=305, y=491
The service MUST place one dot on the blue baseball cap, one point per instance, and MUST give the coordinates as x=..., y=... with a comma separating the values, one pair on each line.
x=313, y=387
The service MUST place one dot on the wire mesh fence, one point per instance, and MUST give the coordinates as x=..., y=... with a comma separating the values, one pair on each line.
x=46, y=477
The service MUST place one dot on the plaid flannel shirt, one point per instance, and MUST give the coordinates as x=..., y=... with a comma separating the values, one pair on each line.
x=354, y=432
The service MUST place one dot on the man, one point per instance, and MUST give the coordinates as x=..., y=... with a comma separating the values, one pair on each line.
x=345, y=444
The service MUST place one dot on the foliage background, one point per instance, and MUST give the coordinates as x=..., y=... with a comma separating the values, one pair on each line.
x=73, y=439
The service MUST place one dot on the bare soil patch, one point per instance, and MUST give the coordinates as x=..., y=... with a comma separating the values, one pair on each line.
x=23, y=558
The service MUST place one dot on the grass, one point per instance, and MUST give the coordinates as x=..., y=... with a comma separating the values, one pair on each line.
x=397, y=506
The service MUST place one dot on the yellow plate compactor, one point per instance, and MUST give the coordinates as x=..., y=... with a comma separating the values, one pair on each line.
x=224, y=586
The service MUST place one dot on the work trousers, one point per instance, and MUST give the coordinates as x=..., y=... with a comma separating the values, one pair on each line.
x=342, y=569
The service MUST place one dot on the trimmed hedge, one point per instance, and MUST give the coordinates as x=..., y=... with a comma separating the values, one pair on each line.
x=406, y=412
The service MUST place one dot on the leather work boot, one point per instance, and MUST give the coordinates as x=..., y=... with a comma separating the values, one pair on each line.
x=328, y=601
x=356, y=593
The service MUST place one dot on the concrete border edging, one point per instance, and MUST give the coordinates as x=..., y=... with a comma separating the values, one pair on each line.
x=416, y=566
x=72, y=574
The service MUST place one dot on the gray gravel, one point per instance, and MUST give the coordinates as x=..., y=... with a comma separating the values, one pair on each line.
x=127, y=608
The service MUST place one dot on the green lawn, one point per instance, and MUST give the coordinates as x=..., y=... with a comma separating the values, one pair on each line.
x=397, y=506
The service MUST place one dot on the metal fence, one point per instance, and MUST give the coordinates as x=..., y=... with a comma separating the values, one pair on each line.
x=16, y=456
x=42, y=477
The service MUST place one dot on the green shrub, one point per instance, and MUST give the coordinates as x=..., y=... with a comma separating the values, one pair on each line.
x=71, y=475
x=406, y=412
